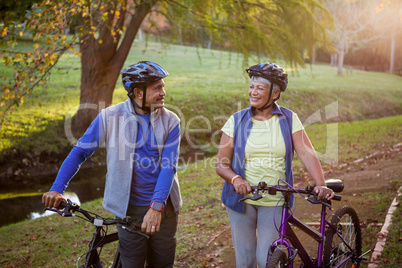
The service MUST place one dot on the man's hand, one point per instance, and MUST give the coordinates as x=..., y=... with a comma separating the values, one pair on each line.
x=53, y=199
x=151, y=222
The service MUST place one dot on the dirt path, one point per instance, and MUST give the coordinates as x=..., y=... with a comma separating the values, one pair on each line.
x=368, y=184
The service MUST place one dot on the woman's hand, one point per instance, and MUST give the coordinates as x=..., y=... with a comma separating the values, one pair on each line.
x=241, y=186
x=324, y=193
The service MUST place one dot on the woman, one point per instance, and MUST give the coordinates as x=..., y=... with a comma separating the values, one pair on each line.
x=257, y=145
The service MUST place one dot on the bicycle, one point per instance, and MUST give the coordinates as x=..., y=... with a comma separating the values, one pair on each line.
x=339, y=241
x=100, y=236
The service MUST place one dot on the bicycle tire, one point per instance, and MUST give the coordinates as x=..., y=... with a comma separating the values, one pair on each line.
x=117, y=259
x=345, y=220
x=278, y=259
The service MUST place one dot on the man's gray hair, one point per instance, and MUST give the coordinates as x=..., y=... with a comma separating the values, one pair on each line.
x=266, y=81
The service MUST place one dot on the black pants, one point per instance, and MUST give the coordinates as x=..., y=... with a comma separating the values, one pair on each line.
x=159, y=250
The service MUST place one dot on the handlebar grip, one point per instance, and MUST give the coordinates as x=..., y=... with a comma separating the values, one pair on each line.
x=337, y=198
x=63, y=204
x=65, y=209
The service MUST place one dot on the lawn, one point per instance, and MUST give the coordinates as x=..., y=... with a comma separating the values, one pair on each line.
x=57, y=241
x=204, y=87
x=347, y=117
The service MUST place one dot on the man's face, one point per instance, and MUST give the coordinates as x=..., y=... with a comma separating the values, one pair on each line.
x=155, y=97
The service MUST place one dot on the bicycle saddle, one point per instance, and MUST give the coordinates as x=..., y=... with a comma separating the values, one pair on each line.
x=335, y=185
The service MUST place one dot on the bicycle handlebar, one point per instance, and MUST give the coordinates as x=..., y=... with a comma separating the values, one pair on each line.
x=272, y=190
x=70, y=208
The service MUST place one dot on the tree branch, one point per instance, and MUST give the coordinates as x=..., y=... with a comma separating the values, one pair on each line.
x=141, y=11
x=35, y=84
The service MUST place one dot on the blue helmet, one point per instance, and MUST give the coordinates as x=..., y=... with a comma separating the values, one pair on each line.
x=142, y=74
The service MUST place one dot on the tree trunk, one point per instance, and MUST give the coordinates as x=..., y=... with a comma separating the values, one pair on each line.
x=140, y=36
x=101, y=65
x=341, y=55
x=334, y=60
x=98, y=80
x=392, y=60
x=313, y=58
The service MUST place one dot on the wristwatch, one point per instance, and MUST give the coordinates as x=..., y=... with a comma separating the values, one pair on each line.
x=157, y=206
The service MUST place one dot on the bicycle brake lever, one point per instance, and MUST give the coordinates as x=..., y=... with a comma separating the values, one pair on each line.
x=67, y=207
x=244, y=198
x=314, y=200
x=134, y=231
x=54, y=210
x=255, y=197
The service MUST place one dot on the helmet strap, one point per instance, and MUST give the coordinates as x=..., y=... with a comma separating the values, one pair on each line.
x=267, y=106
x=131, y=96
x=144, y=108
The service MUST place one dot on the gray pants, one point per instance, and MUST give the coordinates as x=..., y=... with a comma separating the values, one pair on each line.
x=252, y=233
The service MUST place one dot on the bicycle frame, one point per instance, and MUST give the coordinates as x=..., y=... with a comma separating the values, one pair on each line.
x=289, y=239
x=100, y=236
x=98, y=241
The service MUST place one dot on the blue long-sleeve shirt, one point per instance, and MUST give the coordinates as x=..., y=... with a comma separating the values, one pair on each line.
x=151, y=181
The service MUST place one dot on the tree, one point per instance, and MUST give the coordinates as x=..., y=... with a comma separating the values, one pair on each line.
x=355, y=24
x=391, y=14
x=46, y=26
x=14, y=10
x=106, y=30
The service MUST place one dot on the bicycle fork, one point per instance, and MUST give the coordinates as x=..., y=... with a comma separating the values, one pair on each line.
x=284, y=240
x=289, y=240
x=98, y=241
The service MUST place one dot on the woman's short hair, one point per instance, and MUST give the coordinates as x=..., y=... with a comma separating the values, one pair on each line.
x=266, y=81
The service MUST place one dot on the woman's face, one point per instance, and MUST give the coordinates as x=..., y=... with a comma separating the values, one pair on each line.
x=258, y=94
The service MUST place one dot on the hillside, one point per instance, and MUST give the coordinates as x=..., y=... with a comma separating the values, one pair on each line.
x=204, y=88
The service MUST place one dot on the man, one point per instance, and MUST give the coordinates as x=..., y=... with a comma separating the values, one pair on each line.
x=142, y=144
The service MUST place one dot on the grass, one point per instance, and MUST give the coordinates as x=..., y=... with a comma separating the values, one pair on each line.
x=204, y=93
x=391, y=256
x=379, y=203
x=204, y=87
x=356, y=139
x=56, y=241
x=345, y=142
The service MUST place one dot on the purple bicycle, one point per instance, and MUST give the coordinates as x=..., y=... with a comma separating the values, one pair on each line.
x=339, y=240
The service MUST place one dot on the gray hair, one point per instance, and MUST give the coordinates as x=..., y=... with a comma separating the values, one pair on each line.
x=275, y=87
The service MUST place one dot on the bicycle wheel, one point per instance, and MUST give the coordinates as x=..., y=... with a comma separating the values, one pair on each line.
x=347, y=223
x=278, y=259
x=117, y=259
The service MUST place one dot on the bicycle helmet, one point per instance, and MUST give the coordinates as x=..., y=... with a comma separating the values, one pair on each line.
x=140, y=75
x=272, y=73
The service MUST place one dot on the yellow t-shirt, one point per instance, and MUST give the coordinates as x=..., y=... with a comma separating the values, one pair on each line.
x=264, y=154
